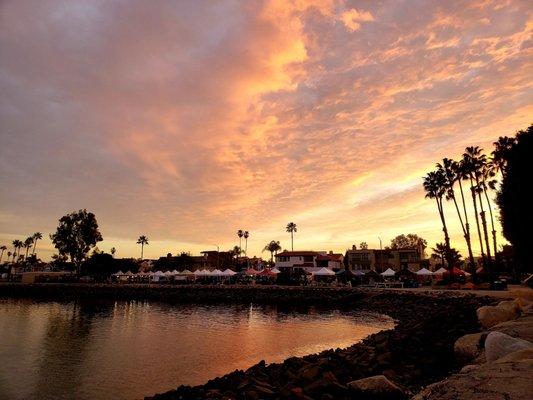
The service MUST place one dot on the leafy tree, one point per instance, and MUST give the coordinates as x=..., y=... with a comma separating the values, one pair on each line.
x=363, y=246
x=514, y=199
x=292, y=228
x=143, y=240
x=76, y=234
x=113, y=251
x=17, y=245
x=27, y=245
x=273, y=247
x=408, y=241
x=240, y=234
x=439, y=251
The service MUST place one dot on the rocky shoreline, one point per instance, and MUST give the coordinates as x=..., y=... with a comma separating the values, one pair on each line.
x=417, y=352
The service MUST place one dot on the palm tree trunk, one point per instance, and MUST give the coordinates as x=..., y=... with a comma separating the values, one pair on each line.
x=34, y=245
x=271, y=256
x=485, y=231
x=446, y=236
x=467, y=236
x=492, y=225
x=142, y=250
x=27, y=249
x=292, y=241
x=474, y=200
x=1, y=256
x=246, y=247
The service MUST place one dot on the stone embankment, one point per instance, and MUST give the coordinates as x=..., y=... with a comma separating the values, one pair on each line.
x=498, y=361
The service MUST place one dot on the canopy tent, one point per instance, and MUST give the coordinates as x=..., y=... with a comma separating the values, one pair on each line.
x=389, y=272
x=175, y=272
x=228, y=272
x=118, y=273
x=186, y=272
x=357, y=273
x=455, y=271
x=323, y=272
x=199, y=272
x=250, y=271
x=129, y=273
x=215, y=272
x=275, y=270
x=267, y=272
x=168, y=273
x=158, y=274
x=424, y=272
x=440, y=271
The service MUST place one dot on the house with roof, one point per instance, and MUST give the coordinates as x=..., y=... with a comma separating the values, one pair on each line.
x=288, y=261
x=333, y=261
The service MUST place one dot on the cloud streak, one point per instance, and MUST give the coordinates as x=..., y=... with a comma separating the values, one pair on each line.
x=188, y=121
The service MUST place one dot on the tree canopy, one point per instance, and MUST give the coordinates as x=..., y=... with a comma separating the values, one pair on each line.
x=410, y=240
x=76, y=234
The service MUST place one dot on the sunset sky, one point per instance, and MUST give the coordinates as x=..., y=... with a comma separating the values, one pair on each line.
x=188, y=120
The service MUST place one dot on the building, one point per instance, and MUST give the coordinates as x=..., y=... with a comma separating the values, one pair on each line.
x=333, y=261
x=380, y=260
x=308, y=260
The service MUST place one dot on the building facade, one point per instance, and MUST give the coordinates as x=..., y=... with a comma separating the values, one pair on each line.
x=380, y=260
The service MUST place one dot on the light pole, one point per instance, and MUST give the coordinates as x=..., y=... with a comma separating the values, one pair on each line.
x=218, y=255
x=380, y=255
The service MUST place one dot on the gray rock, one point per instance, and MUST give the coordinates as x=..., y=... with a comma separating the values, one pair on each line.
x=521, y=328
x=498, y=345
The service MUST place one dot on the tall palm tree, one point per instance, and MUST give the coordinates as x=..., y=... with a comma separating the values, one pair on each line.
x=292, y=228
x=469, y=167
x=273, y=247
x=143, y=240
x=450, y=169
x=3, y=248
x=502, y=147
x=36, y=236
x=28, y=244
x=435, y=187
x=246, y=235
x=478, y=163
x=240, y=234
x=17, y=245
x=488, y=181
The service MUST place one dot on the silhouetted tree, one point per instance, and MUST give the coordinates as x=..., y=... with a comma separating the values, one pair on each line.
x=363, y=246
x=408, y=241
x=292, y=228
x=36, y=236
x=246, y=235
x=27, y=245
x=76, y=234
x=514, y=199
x=143, y=240
x=272, y=247
x=3, y=248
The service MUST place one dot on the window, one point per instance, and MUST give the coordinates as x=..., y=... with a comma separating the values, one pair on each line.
x=308, y=258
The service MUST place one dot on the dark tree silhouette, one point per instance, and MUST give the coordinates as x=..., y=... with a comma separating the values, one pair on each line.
x=273, y=247
x=76, y=234
x=514, y=199
x=292, y=228
x=36, y=236
x=143, y=240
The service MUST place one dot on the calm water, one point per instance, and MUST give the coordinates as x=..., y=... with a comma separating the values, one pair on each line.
x=126, y=350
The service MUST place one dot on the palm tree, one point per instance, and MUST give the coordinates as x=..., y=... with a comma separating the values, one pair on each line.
x=477, y=164
x=3, y=248
x=27, y=244
x=36, y=236
x=143, y=240
x=435, y=187
x=469, y=167
x=246, y=235
x=9, y=255
x=439, y=251
x=273, y=247
x=291, y=228
x=502, y=147
x=237, y=251
x=240, y=234
x=17, y=245
x=488, y=181
x=113, y=251
x=450, y=169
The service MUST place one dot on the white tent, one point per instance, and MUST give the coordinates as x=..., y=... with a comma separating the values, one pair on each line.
x=228, y=272
x=440, y=271
x=128, y=273
x=424, y=272
x=215, y=272
x=388, y=272
x=118, y=273
x=159, y=273
x=199, y=272
x=275, y=270
x=323, y=272
x=175, y=272
x=168, y=273
x=186, y=272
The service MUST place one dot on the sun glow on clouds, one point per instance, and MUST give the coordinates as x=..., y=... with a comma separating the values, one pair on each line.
x=188, y=121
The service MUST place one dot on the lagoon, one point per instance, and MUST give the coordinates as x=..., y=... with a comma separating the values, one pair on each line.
x=130, y=349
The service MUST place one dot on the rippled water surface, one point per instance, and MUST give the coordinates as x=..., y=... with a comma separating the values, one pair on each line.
x=126, y=350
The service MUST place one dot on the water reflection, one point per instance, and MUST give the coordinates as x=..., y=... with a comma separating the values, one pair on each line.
x=124, y=350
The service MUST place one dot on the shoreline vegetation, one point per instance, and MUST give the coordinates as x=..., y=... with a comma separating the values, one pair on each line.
x=417, y=352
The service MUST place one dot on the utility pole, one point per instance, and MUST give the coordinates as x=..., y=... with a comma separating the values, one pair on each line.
x=380, y=255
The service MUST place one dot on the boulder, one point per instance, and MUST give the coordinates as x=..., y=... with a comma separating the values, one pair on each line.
x=376, y=387
x=489, y=316
x=468, y=347
x=520, y=355
x=521, y=328
x=509, y=305
x=498, y=345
